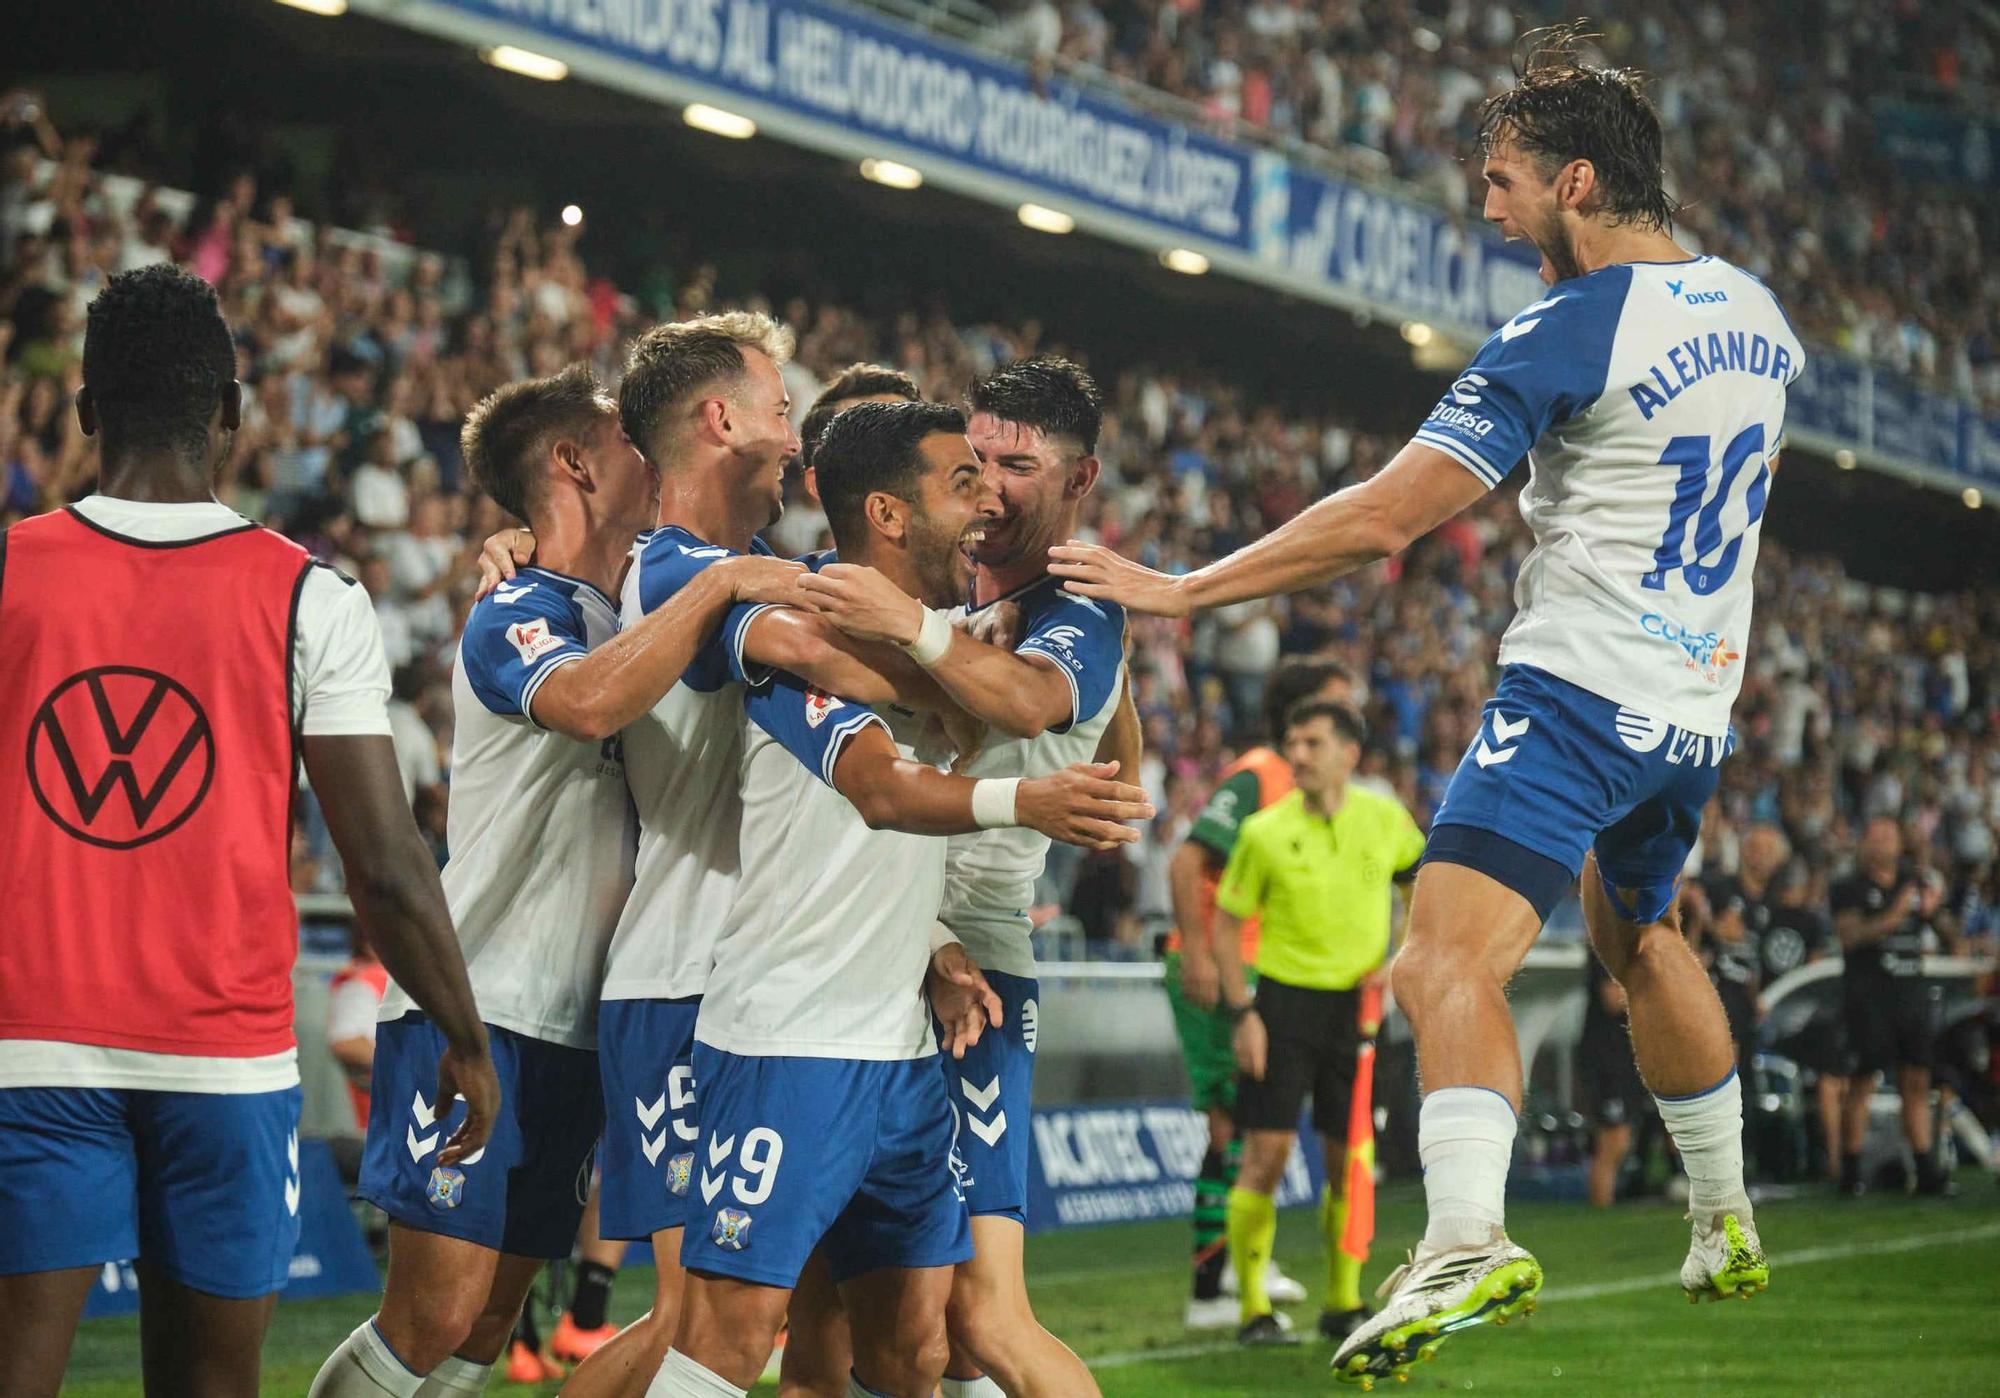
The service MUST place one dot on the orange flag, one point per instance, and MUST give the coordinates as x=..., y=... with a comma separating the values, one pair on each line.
x=1361, y=1134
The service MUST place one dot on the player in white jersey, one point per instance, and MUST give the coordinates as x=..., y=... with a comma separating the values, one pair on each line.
x=1049, y=702
x=1648, y=388
x=824, y=1116
x=542, y=840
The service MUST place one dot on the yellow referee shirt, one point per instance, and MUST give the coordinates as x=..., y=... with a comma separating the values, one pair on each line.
x=1320, y=886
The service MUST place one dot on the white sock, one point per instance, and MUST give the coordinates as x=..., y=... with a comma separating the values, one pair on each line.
x=1707, y=1128
x=364, y=1367
x=1465, y=1136
x=981, y=1387
x=681, y=1377
x=858, y=1389
x=455, y=1376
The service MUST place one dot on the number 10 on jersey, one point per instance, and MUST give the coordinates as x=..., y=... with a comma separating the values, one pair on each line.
x=1694, y=457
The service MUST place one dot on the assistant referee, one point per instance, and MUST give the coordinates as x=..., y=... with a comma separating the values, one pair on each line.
x=1317, y=867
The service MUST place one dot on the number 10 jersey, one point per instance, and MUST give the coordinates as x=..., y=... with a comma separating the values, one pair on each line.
x=1649, y=399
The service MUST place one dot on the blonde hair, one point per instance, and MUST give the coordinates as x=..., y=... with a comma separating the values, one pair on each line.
x=671, y=364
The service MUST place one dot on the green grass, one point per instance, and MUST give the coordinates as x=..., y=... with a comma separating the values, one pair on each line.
x=1913, y=1315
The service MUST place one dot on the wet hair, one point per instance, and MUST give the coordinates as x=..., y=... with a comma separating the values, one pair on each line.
x=672, y=364
x=1050, y=394
x=1293, y=683
x=855, y=381
x=871, y=447
x=1345, y=718
x=158, y=359
x=1563, y=108
x=508, y=435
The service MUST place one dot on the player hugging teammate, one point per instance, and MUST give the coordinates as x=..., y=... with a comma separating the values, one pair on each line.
x=842, y=801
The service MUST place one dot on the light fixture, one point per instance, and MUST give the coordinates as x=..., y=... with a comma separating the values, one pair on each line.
x=572, y=215
x=526, y=62
x=1417, y=333
x=717, y=122
x=1184, y=260
x=893, y=173
x=328, y=8
x=1043, y=219
x=1844, y=459
x=1972, y=498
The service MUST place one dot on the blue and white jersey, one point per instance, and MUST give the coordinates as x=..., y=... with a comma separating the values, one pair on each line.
x=540, y=827
x=990, y=874
x=681, y=761
x=824, y=952
x=1650, y=400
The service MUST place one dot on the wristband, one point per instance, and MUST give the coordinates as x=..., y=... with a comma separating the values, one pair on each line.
x=941, y=937
x=993, y=800
x=933, y=640
x=1237, y=1013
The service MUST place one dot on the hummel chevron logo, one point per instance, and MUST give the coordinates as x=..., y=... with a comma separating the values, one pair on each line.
x=711, y=1185
x=651, y=1146
x=421, y=1110
x=987, y=1131
x=1503, y=733
x=1526, y=320
x=718, y=1151
x=420, y=1146
x=292, y=1180
x=649, y=1116
x=980, y=1097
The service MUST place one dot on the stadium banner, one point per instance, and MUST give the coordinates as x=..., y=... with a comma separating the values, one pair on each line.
x=1118, y=1162
x=331, y=1258
x=924, y=93
x=1939, y=143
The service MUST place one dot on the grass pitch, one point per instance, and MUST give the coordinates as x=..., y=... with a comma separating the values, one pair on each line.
x=1880, y=1295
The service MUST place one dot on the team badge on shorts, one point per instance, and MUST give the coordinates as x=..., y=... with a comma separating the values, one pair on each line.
x=447, y=1187
x=732, y=1229
x=680, y=1169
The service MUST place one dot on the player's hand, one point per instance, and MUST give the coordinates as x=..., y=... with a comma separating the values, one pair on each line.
x=501, y=554
x=863, y=603
x=965, y=734
x=997, y=625
x=756, y=578
x=1201, y=980
x=1082, y=805
x=1093, y=570
x=1252, y=1043
x=961, y=999
x=470, y=1076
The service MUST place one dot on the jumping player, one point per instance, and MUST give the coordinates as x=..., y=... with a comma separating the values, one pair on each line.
x=1650, y=385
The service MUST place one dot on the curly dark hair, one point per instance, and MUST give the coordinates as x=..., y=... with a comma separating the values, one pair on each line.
x=871, y=447
x=1563, y=107
x=157, y=359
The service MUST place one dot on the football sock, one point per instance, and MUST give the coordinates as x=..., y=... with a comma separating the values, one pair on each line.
x=593, y=1295
x=457, y=1375
x=1211, y=1220
x=1343, y=1273
x=681, y=1377
x=1253, y=1232
x=1707, y=1128
x=857, y=1389
x=981, y=1387
x=364, y=1367
x=1465, y=1136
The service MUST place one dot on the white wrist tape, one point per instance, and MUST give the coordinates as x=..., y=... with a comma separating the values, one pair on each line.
x=933, y=640
x=941, y=937
x=993, y=801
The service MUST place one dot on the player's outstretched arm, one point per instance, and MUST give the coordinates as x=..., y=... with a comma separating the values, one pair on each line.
x=1363, y=524
x=824, y=656
x=1018, y=695
x=594, y=697
x=393, y=882
x=1079, y=805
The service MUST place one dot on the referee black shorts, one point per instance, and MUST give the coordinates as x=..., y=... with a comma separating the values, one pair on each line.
x=1892, y=1024
x=1315, y=1037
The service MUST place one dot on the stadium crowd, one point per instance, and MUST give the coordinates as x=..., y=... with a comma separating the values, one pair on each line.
x=1768, y=117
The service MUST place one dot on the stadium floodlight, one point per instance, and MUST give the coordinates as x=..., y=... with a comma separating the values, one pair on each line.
x=1844, y=459
x=526, y=62
x=327, y=8
x=1972, y=498
x=717, y=122
x=1417, y=333
x=892, y=173
x=1043, y=219
x=1186, y=261
x=572, y=215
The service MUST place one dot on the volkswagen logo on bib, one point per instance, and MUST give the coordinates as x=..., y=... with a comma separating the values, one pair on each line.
x=119, y=756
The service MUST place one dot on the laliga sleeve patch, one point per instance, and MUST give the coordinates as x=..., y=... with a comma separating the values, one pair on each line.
x=819, y=704
x=533, y=638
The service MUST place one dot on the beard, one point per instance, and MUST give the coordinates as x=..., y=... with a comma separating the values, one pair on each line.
x=943, y=571
x=1554, y=243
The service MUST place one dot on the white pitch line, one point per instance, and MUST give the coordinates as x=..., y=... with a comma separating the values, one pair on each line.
x=1592, y=1290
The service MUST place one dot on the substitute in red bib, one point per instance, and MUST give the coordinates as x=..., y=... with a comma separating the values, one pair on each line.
x=168, y=664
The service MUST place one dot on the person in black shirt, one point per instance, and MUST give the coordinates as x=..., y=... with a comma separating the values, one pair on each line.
x=1745, y=913
x=1881, y=913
